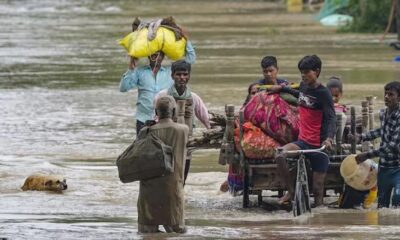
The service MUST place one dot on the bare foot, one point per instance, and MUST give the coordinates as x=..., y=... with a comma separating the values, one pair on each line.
x=285, y=199
x=224, y=187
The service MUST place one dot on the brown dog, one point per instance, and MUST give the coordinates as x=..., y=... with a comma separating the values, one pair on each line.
x=40, y=182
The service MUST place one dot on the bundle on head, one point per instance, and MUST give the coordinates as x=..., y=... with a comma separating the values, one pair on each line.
x=170, y=23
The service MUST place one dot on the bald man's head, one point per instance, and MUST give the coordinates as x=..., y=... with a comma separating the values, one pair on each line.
x=165, y=107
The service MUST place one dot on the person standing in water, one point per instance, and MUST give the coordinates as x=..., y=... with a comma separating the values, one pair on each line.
x=389, y=149
x=180, y=72
x=161, y=200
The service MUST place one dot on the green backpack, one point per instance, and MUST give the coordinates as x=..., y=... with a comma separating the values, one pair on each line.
x=146, y=158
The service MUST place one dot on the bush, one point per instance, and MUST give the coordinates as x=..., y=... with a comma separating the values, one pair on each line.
x=373, y=20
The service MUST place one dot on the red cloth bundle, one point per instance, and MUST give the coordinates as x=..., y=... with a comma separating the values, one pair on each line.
x=274, y=116
x=255, y=143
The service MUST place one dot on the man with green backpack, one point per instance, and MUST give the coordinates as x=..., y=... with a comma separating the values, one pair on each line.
x=161, y=199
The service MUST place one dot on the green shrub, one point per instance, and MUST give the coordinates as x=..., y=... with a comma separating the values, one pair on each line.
x=373, y=20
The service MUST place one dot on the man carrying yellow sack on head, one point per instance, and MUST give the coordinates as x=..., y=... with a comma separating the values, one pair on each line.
x=151, y=79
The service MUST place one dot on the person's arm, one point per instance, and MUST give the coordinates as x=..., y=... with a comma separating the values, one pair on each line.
x=129, y=80
x=371, y=135
x=285, y=89
x=190, y=53
x=133, y=63
x=201, y=111
x=361, y=157
x=385, y=147
x=292, y=91
x=329, y=116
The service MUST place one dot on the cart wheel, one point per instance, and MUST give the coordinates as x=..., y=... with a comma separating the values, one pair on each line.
x=245, y=188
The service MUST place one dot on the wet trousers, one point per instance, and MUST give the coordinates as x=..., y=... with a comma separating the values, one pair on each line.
x=388, y=180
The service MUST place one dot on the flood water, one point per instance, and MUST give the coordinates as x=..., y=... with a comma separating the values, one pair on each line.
x=62, y=113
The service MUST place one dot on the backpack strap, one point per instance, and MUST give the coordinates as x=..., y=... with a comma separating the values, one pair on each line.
x=149, y=128
x=144, y=132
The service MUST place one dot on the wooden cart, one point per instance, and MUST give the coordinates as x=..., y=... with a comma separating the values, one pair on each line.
x=262, y=174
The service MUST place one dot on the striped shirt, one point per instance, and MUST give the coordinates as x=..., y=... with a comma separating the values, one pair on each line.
x=389, y=132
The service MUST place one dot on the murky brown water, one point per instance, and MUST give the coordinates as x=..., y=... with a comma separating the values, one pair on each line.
x=61, y=113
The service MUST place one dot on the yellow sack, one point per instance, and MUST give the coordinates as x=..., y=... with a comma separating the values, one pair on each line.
x=137, y=45
x=173, y=49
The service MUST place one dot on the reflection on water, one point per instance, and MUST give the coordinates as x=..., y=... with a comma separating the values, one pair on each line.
x=61, y=113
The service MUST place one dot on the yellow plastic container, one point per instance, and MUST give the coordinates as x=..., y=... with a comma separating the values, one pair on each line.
x=371, y=197
x=361, y=176
x=294, y=6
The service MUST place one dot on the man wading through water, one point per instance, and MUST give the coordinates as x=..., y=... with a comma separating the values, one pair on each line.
x=180, y=91
x=161, y=200
x=389, y=149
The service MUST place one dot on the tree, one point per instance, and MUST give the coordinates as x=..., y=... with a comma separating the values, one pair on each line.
x=369, y=15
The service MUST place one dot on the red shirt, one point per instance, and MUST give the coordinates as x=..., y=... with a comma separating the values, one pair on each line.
x=317, y=115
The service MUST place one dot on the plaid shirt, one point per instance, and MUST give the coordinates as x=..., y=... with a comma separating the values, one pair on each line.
x=389, y=132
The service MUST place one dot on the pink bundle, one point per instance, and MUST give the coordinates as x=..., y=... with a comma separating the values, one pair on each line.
x=274, y=116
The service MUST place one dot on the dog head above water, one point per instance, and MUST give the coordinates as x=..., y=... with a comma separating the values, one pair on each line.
x=41, y=182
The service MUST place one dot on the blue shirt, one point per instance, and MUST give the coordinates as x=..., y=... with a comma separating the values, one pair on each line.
x=148, y=86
